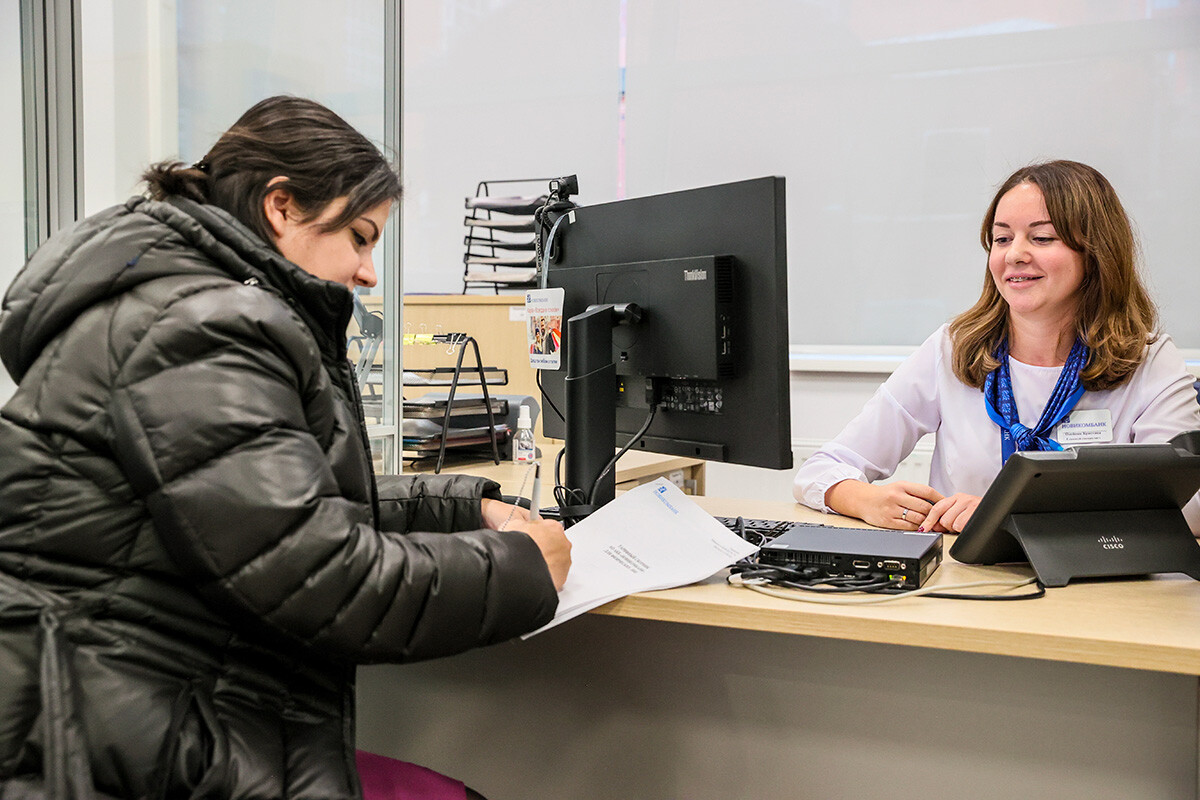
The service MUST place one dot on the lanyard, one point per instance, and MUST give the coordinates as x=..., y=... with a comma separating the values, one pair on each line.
x=1002, y=407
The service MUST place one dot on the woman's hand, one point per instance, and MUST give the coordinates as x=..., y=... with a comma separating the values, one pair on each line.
x=548, y=535
x=951, y=514
x=499, y=515
x=901, y=505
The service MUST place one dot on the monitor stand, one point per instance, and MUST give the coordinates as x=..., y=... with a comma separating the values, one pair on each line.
x=591, y=399
x=1090, y=544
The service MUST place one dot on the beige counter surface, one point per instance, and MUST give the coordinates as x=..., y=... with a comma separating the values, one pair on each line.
x=1149, y=623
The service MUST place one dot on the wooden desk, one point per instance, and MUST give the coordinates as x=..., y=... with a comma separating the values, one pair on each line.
x=633, y=469
x=1090, y=692
x=1147, y=623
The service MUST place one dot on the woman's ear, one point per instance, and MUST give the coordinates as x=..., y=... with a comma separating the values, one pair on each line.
x=279, y=208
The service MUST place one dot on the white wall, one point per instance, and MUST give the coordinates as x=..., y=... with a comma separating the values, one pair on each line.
x=892, y=122
x=497, y=91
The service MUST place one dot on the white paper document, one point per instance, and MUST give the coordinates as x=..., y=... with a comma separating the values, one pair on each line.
x=653, y=537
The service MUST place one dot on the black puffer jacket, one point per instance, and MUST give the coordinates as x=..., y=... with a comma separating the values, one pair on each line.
x=189, y=530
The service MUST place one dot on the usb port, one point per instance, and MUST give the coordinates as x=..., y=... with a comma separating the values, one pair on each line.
x=860, y=564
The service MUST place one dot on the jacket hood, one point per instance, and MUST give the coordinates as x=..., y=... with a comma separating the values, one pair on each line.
x=111, y=252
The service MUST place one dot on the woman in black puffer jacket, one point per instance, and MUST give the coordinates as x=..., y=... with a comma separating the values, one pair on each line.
x=194, y=553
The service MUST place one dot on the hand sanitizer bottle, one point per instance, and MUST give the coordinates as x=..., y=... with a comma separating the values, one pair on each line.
x=523, y=448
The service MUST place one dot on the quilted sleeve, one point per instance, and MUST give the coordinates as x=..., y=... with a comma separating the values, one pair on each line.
x=433, y=502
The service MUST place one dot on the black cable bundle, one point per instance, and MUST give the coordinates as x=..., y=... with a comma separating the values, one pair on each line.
x=557, y=201
x=813, y=579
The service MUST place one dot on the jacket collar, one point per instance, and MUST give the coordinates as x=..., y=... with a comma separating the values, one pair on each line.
x=325, y=306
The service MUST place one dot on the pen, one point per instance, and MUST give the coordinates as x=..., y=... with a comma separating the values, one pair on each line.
x=535, y=496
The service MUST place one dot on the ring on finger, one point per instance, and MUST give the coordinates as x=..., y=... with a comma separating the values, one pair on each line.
x=904, y=515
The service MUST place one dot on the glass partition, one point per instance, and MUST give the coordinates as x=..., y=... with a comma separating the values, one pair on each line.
x=163, y=78
x=12, y=195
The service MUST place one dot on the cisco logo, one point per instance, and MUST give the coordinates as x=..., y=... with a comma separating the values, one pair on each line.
x=1111, y=542
x=695, y=274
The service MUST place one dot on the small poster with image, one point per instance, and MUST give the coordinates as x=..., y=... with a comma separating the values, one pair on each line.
x=543, y=327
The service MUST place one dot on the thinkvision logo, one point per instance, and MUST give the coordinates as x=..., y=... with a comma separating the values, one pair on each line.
x=695, y=274
x=1111, y=542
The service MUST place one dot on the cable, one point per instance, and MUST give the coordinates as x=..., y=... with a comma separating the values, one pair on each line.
x=551, y=240
x=641, y=432
x=654, y=397
x=538, y=378
x=558, y=199
x=739, y=527
x=558, y=464
x=810, y=580
x=760, y=585
x=566, y=498
x=1040, y=592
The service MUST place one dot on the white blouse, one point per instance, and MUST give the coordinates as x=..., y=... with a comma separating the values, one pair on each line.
x=924, y=396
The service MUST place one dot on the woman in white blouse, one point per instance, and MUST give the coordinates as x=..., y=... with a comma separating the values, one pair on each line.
x=1060, y=349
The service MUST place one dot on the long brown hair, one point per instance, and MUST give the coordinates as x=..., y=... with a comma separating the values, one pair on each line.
x=1116, y=317
x=321, y=156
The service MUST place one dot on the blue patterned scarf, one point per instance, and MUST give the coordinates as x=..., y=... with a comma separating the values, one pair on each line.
x=1002, y=407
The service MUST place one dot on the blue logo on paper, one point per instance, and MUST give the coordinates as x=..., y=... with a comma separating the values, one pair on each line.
x=661, y=494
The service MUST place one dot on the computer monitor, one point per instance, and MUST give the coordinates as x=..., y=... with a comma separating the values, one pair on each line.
x=1092, y=511
x=688, y=299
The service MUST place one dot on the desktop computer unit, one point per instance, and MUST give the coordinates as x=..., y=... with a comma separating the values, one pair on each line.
x=833, y=552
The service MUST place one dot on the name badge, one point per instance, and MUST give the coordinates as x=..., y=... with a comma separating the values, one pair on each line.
x=1084, y=427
